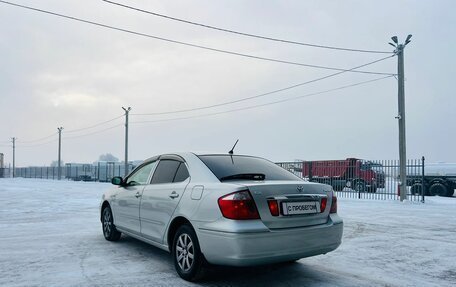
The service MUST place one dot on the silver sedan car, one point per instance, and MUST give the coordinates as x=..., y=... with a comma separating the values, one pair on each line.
x=221, y=209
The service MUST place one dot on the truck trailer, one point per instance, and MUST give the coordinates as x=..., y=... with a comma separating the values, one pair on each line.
x=357, y=174
x=438, y=179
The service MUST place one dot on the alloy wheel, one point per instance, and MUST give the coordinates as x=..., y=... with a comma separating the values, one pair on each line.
x=185, y=252
x=107, y=222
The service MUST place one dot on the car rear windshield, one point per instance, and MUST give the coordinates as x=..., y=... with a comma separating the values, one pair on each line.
x=226, y=167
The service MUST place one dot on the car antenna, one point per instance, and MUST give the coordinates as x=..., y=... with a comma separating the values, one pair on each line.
x=232, y=149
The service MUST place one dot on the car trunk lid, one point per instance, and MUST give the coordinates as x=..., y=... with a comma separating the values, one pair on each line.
x=299, y=202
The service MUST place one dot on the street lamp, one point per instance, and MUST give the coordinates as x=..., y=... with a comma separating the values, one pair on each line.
x=399, y=51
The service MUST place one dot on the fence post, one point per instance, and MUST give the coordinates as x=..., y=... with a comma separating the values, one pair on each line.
x=309, y=165
x=422, y=180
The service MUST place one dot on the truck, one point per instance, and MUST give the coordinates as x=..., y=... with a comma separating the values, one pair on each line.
x=357, y=174
x=439, y=179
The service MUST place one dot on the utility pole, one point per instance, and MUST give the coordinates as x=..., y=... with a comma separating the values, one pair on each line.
x=59, y=169
x=127, y=110
x=401, y=114
x=13, y=140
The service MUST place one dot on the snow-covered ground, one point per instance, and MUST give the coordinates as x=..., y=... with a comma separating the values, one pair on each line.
x=51, y=236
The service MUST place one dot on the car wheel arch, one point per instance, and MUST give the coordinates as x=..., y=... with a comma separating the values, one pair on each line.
x=103, y=206
x=173, y=227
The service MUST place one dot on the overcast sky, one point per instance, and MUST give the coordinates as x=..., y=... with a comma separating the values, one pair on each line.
x=57, y=72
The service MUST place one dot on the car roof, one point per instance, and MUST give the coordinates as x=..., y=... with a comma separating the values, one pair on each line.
x=198, y=170
x=197, y=153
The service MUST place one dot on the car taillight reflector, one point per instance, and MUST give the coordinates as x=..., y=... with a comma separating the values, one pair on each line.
x=238, y=205
x=273, y=207
x=333, y=204
x=323, y=204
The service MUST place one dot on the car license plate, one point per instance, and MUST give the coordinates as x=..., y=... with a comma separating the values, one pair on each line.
x=302, y=207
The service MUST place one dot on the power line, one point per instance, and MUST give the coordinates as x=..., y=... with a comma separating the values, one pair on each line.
x=92, y=133
x=93, y=126
x=71, y=137
x=265, y=104
x=261, y=95
x=35, y=145
x=246, y=34
x=40, y=139
x=69, y=131
x=189, y=44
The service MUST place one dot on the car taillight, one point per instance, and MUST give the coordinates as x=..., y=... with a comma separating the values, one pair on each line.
x=334, y=204
x=323, y=204
x=238, y=205
x=273, y=207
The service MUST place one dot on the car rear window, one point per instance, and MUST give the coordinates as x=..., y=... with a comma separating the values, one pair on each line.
x=224, y=166
x=165, y=172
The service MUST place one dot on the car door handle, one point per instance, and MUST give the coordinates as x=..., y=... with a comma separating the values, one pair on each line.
x=138, y=195
x=174, y=194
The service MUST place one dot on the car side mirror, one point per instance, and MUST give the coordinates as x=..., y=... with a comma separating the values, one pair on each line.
x=117, y=180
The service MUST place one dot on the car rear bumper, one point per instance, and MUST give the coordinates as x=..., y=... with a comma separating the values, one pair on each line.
x=269, y=246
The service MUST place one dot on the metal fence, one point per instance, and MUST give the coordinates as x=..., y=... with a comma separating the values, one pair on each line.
x=367, y=179
x=351, y=178
x=101, y=171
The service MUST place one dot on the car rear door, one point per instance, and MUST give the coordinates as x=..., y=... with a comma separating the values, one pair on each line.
x=126, y=202
x=161, y=197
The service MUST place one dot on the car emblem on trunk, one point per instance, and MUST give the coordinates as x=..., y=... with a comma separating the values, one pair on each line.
x=300, y=188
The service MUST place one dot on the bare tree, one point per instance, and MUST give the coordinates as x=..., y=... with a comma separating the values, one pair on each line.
x=108, y=157
x=55, y=163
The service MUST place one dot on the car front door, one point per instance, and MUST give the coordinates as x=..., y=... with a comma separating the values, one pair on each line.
x=128, y=198
x=161, y=197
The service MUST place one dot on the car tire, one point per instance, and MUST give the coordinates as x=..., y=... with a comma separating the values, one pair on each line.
x=188, y=259
x=438, y=189
x=110, y=232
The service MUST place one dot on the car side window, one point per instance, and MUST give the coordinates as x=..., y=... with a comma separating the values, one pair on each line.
x=141, y=175
x=165, y=172
x=181, y=174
